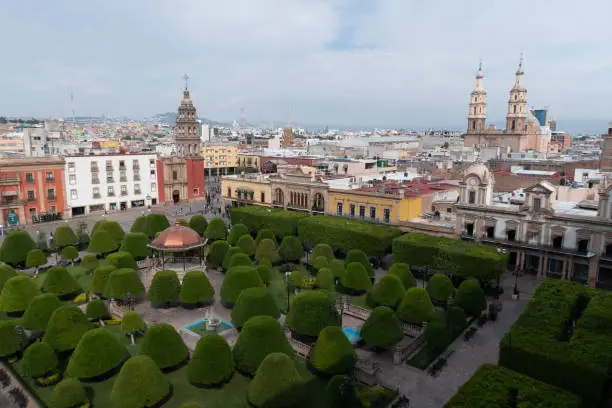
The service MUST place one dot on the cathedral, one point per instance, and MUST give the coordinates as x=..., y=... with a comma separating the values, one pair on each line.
x=523, y=131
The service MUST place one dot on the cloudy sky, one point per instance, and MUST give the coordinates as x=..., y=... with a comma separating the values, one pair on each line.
x=352, y=62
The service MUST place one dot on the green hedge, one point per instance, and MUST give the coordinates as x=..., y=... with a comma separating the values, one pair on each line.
x=121, y=282
x=229, y=255
x=15, y=247
x=355, y=279
x=165, y=287
x=440, y=287
x=66, y=327
x=382, y=329
x=240, y=259
x=60, y=282
x=135, y=243
x=311, y=311
x=89, y=262
x=471, y=298
x=491, y=386
x=357, y=255
x=277, y=384
x=64, y=236
x=112, y=227
x=236, y=280
x=69, y=393
x=247, y=244
x=122, y=259
x=17, y=293
x=6, y=273
x=198, y=223
x=280, y=222
x=291, y=249
x=9, y=338
x=102, y=243
x=263, y=234
x=389, y=291
x=39, y=360
x=100, y=278
x=132, y=323
x=96, y=310
x=332, y=353
x=236, y=232
x=141, y=225
x=196, y=289
x=216, y=253
x=156, y=223
x=256, y=301
x=164, y=345
x=325, y=279
x=323, y=250
x=140, y=384
x=415, y=307
x=216, y=230
x=39, y=311
x=212, y=362
x=35, y=258
x=266, y=249
x=97, y=353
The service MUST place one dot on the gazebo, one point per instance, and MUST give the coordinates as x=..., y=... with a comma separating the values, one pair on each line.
x=178, y=239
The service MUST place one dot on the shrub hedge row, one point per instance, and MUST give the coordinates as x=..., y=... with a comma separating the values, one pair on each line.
x=280, y=222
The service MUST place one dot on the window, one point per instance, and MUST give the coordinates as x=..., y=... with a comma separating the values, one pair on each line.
x=96, y=192
x=229, y=192
x=174, y=175
x=52, y=209
x=352, y=210
x=513, y=127
x=32, y=212
x=135, y=164
x=339, y=209
x=49, y=176
x=152, y=162
x=557, y=241
x=51, y=194
x=196, y=191
x=137, y=189
x=72, y=179
x=153, y=187
x=387, y=215
x=121, y=163
x=537, y=204
x=373, y=213
x=73, y=194
x=472, y=197
x=71, y=167
x=362, y=211
x=122, y=176
x=514, y=108
x=95, y=179
x=262, y=197
x=29, y=177
x=583, y=245
x=109, y=164
x=124, y=190
x=110, y=191
x=31, y=196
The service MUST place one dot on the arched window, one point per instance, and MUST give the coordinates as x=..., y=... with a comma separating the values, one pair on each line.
x=514, y=108
x=513, y=125
x=473, y=125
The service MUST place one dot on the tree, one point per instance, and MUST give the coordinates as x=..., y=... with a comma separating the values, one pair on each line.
x=216, y=230
x=402, y=271
x=323, y=250
x=265, y=233
x=212, y=362
x=355, y=280
x=436, y=335
x=96, y=310
x=340, y=392
x=83, y=238
x=337, y=266
x=415, y=307
x=140, y=384
x=164, y=345
x=239, y=259
x=17, y=293
x=122, y=282
x=310, y=312
x=216, y=253
x=141, y=224
x=356, y=255
x=247, y=244
x=333, y=353
x=156, y=223
x=255, y=301
x=15, y=248
x=440, y=287
x=389, y=291
x=266, y=249
x=100, y=278
x=382, y=329
x=260, y=336
x=165, y=288
x=135, y=243
x=182, y=222
x=69, y=393
x=35, y=258
x=112, y=227
x=64, y=236
x=236, y=280
x=277, y=383
x=229, y=255
x=9, y=338
x=89, y=262
x=264, y=273
x=471, y=298
x=101, y=243
x=196, y=290
x=39, y=311
x=319, y=262
x=97, y=353
x=60, y=282
x=456, y=320
x=291, y=249
x=39, y=360
x=198, y=223
x=70, y=253
x=325, y=279
x=6, y=272
x=132, y=324
x=236, y=232
x=66, y=327
x=121, y=260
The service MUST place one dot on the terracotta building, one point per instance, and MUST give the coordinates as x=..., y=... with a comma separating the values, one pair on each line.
x=606, y=152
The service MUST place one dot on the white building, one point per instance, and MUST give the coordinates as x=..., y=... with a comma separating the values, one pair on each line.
x=110, y=182
x=46, y=141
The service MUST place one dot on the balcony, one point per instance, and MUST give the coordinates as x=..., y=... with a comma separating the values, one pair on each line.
x=111, y=194
x=31, y=200
x=513, y=243
x=136, y=177
x=136, y=167
x=95, y=181
x=123, y=179
x=51, y=198
x=124, y=193
x=110, y=180
x=10, y=203
x=29, y=180
x=137, y=192
x=95, y=169
x=9, y=181
x=50, y=179
x=96, y=195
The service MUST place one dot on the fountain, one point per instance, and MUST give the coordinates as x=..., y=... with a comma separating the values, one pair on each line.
x=211, y=321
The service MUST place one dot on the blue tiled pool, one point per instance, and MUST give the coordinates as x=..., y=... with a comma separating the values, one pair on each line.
x=199, y=327
x=353, y=335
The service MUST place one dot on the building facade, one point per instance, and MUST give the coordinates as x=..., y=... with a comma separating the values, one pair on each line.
x=220, y=159
x=605, y=162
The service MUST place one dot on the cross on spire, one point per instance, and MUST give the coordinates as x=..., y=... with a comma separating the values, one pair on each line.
x=186, y=78
x=480, y=65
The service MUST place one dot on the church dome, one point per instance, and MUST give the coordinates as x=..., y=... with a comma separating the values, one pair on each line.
x=176, y=239
x=479, y=170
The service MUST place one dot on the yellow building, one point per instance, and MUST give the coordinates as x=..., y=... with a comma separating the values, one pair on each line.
x=248, y=160
x=373, y=206
x=242, y=190
x=220, y=158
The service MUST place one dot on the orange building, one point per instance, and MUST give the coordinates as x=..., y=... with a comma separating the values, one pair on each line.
x=30, y=187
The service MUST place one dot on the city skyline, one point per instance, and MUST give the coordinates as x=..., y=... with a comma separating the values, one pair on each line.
x=380, y=63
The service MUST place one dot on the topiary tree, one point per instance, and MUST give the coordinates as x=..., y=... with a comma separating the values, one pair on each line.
x=277, y=383
x=265, y=273
x=121, y=259
x=440, y=287
x=216, y=253
x=98, y=353
x=165, y=288
x=100, y=278
x=415, y=307
x=140, y=384
x=239, y=259
x=135, y=243
x=157, y=223
x=216, y=230
x=325, y=279
x=260, y=336
x=382, y=329
x=141, y=225
x=60, y=282
x=9, y=338
x=198, y=223
x=247, y=244
x=402, y=271
x=337, y=266
x=89, y=262
x=265, y=233
x=212, y=362
x=39, y=360
x=436, y=335
x=323, y=250
x=191, y=404
x=295, y=279
x=355, y=280
x=132, y=324
x=310, y=312
x=333, y=353
x=456, y=320
x=357, y=255
x=266, y=249
x=236, y=232
x=102, y=243
x=236, y=280
x=256, y=301
x=164, y=345
x=39, y=311
x=6, y=273
x=17, y=293
x=69, y=253
x=69, y=393
x=83, y=238
x=471, y=298
x=96, y=310
x=64, y=236
x=291, y=249
x=15, y=248
x=182, y=222
x=35, y=258
x=112, y=227
x=319, y=262
x=66, y=327
x=340, y=392
x=229, y=255
x=121, y=282
x=389, y=291
x=196, y=290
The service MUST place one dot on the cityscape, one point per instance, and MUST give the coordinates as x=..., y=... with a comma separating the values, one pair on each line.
x=181, y=259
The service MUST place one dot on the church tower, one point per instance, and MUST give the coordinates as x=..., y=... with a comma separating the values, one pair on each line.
x=477, y=116
x=517, y=104
x=187, y=137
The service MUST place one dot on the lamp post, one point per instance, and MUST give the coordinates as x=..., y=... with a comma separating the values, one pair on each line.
x=148, y=198
x=288, y=285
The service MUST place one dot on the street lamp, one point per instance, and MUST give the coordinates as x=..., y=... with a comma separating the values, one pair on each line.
x=148, y=198
x=288, y=285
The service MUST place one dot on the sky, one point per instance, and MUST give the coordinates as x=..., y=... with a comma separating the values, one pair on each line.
x=370, y=63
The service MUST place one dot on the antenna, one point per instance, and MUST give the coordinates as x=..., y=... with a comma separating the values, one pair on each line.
x=242, y=116
x=480, y=65
x=73, y=108
x=186, y=78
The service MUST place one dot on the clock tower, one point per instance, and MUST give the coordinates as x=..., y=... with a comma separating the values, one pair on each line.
x=517, y=104
x=477, y=115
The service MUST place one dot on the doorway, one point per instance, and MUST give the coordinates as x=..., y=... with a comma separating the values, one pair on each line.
x=176, y=197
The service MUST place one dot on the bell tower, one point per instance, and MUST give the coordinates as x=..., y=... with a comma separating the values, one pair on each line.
x=477, y=115
x=517, y=104
x=187, y=137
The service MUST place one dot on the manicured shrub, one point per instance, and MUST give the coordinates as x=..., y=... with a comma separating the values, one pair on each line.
x=17, y=293
x=39, y=311
x=266, y=249
x=382, y=329
x=319, y=263
x=69, y=393
x=191, y=405
x=247, y=244
x=132, y=324
x=256, y=301
x=265, y=234
x=15, y=247
x=440, y=287
x=64, y=236
x=389, y=291
x=264, y=273
x=140, y=384
x=337, y=266
x=471, y=298
x=165, y=288
x=356, y=255
x=100, y=278
x=135, y=243
x=6, y=273
x=265, y=262
x=113, y=228
x=216, y=253
x=157, y=223
x=236, y=232
x=323, y=250
x=236, y=280
x=456, y=320
x=229, y=255
x=121, y=260
x=295, y=279
x=39, y=360
x=436, y=335
x=196, y=290
x=415, y=307
x=325, y=279
x=355, y=280
x=9, y=338
x=216, y=230
x=102, y=243
x=212, y=362
x=198, y=223
x=310, y=312
x=121, y=282
x=60, y=282
x=280, y=222
x=332, y=353
x=164, y=345
x=96, y=310
x=240, y=259
x=403, y=272
x=291, y=249
x=66, y=327
x=277, y=383
x=340, y=392
x=182, y=222
x=97, y=353
x=260, y=336
x=89, y=262
x=35, y=258
x=141, y=224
